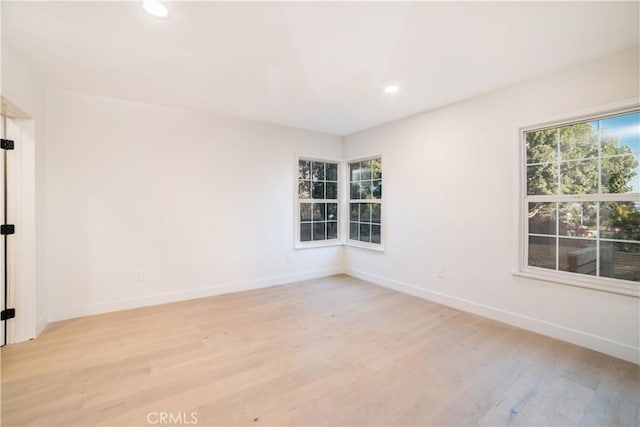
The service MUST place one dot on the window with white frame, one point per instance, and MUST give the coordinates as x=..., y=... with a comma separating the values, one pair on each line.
x=582, y=199
x=365, y=201
x=317, y=201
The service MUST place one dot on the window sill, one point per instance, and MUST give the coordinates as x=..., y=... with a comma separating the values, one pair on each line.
x=369, y=246
x=600, y=284
x=321, y=244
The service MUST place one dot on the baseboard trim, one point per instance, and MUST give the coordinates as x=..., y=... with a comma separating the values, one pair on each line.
x=574, y=336
x=129, y=303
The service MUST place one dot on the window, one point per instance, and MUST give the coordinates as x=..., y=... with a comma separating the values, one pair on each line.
x=582, y=200
x=365, y=201
x=317, y=202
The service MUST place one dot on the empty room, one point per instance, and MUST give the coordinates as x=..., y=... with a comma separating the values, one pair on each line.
x=320, y=213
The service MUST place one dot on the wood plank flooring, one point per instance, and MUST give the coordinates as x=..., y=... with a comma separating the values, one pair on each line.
x=334, y=351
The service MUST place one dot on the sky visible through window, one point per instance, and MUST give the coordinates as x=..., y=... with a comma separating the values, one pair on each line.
x=627, y=128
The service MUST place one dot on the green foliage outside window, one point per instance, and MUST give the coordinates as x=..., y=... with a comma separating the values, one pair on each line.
x=590, y=159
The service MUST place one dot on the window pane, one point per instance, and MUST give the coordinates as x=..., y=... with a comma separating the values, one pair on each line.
x=621, y=174
x=365, y=212
x=319, y=211
x=542, y=179
x=620, y=220
x=542, y=252
x=304, y=169
x=305, y=232
x=353, y=230
x=365, y=171
x=577, y=256
x=304, y=189
x=365, y=190
x=305, y=211
x=332, y=190
x=376, y=168
x=375, y=234
x=579, y=141
x=318, y=190
x=542, y=146
x=620, y=134
x=579, y=177
x=332, y=211
x=319, y=230
x=365, y=232
x=331, y=172
x=542, y=218
x=332, y=230
x=317, y=171
x=354, y=214
x=375, y=213
x=620, y=260
x=354, y=169
x=376, y=189
x=578, y=219
x=355, y=190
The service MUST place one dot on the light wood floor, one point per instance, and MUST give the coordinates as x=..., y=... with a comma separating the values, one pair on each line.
x=335, y=351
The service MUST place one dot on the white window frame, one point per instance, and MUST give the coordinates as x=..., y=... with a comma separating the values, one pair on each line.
x=618, y=286
x=383, y=215
x=318, y=243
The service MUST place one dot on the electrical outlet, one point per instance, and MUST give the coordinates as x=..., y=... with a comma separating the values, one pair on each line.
x=137, y=276
x=440, y=273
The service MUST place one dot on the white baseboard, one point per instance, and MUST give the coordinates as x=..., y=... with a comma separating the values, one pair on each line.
x=584, y=339
x=574, y=336
x=128, y=303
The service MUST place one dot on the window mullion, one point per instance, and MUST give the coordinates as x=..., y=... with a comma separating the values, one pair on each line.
x=559, y=191
x=605, y=197
x=557, y=207
x=598, y=203
x=598, y=239
x=599, y=159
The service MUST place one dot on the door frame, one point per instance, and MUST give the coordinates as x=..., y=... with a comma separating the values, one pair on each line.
x=21, y=251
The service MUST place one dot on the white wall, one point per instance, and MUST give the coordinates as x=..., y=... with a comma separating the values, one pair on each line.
x=200, y=204
x=451, y=180
x=197, y=204
x=25, y=90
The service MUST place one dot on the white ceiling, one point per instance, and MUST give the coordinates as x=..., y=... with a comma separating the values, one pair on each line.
x=319, y=66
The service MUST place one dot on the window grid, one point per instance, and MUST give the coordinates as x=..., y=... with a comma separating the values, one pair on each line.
x=616, y=257
x=318, y=201
x=365, y=201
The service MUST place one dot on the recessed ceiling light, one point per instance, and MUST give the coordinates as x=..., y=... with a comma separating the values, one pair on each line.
x=391, y=89
x=155, y=8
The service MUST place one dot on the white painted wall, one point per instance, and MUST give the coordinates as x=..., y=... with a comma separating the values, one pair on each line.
x=24, y=89
x=451, y=180
x=197, y=204
x=200, y=204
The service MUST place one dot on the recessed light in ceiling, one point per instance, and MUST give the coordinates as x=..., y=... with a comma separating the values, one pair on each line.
x=155, y=8
x=391, y=89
